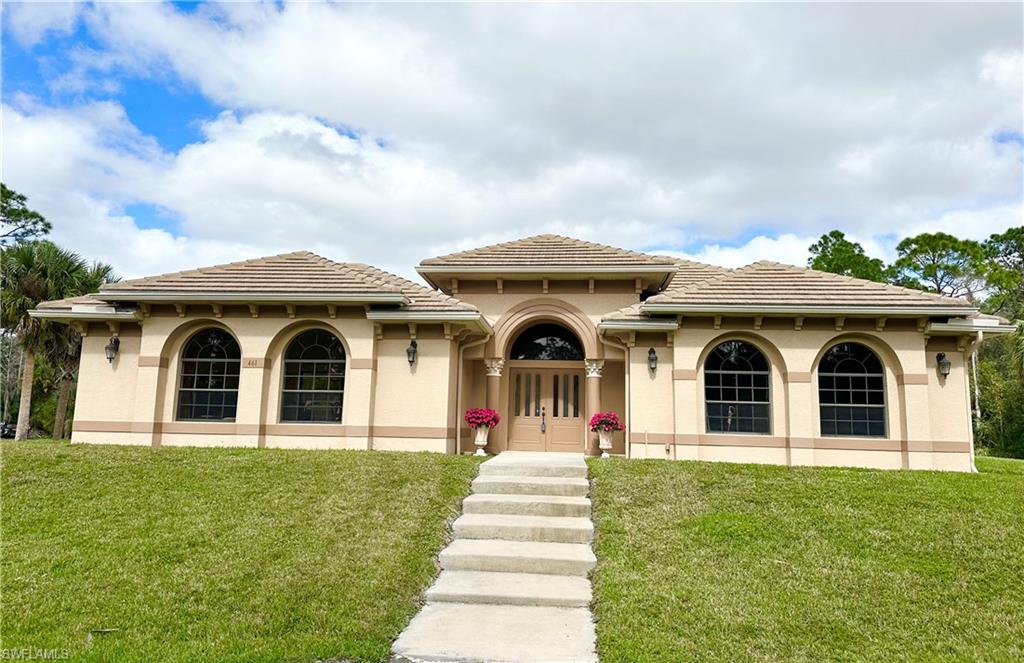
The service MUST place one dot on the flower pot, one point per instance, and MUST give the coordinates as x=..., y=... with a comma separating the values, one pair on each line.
x=604, y=442
x=481, y=440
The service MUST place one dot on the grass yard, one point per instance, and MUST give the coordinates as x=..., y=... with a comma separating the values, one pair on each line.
x=720, y=562
x=217, y=554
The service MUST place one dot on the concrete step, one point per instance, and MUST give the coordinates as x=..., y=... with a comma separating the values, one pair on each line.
x=532, y=468
x=510, y=589
x=523, y=528
x=527, y=505
x=530, y=485
x=512, y=634
x=517, y=557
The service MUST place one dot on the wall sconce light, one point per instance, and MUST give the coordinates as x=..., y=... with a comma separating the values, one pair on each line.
x=944, y=364
x=652, y=359
x=111, y=348
x=410, y=352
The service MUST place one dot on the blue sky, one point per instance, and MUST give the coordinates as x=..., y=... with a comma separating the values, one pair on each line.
x=160, y=137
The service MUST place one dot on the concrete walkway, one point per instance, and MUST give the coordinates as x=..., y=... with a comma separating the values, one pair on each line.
x=513, y=585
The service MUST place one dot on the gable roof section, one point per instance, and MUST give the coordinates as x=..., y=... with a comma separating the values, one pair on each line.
x=770, y=287
x=546, y=251
x=300, y=276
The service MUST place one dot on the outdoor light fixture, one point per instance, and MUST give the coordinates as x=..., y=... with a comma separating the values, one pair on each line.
x=111, y=348
x=944, y=364
x=652, y=359
x=410, y=352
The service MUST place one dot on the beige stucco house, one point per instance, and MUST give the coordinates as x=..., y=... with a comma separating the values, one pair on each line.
x=767, y=363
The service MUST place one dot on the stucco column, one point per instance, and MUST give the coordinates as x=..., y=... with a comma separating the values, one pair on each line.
x=492, y=368
x=594, y=368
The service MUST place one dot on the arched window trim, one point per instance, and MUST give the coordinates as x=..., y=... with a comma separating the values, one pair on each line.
x=311, y=380
x=526, y=343
x=867, y=390
x=716, y=379
x=211, y=380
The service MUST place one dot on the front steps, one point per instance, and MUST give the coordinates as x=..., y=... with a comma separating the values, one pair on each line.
x=513, y=585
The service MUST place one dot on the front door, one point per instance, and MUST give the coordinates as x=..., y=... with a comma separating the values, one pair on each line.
x=547, y=408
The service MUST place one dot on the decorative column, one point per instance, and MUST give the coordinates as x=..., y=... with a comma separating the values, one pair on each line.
x=594, y=368
x=492, y=368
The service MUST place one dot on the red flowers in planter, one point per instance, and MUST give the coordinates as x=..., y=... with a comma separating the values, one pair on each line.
x=482, y=416
x=605, y=421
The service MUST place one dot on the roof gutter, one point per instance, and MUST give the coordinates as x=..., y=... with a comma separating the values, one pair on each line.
x=957, y=327
x=638, y=325
x=65, y=315
x=430, y=316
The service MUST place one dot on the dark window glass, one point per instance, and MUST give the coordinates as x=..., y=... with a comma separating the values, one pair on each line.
x=208, y=386
x=547, y=341
x=314, y=378
x=736, y=377
x=851, y=392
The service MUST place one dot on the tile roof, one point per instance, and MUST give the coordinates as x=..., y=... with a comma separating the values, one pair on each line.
x=773, y=284
x=83, y=300
x=547, y=251
x=300, y=272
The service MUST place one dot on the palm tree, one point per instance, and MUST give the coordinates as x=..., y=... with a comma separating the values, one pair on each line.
x=64, y=346
x=30, y=273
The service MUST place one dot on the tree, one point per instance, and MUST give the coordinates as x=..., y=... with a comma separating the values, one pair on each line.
x=943, y=264
x=19, y=222
x=1005, y=253
x=64, y=346
x=838, y=255
x=30, y=273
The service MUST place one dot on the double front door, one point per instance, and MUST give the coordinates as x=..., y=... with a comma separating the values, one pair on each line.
x=547, y=408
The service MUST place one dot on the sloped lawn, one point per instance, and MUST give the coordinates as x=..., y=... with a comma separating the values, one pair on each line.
x=720, y=562
x=138, y=554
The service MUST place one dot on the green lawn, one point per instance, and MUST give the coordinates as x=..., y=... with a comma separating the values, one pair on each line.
x=720, y=562
x=218, y=555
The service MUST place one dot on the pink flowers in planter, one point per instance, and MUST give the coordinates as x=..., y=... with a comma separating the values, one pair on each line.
x=482, y=416
x=605, y=421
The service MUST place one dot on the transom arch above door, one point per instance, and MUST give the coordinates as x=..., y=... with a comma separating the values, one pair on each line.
x=546, y=341
x=541, y=310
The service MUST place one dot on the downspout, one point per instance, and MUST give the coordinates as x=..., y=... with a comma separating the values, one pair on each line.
x=977, y=394
x=458, y=388
x=625, y=350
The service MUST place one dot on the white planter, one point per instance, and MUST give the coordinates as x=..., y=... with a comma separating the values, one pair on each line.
x=481, y=440
x=604, y=442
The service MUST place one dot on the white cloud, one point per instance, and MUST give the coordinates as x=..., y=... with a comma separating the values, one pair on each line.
x=29, y=22
x=651, y=126
x=788, y=249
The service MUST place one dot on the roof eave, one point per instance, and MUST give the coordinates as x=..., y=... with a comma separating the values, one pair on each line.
x=540, y=270
x=785, y=309
x=244, y=297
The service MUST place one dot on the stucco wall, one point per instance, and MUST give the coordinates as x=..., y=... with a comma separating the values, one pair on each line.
x=133, y=400
x=928, y=417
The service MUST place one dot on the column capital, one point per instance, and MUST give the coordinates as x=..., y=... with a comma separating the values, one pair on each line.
x=493, y=367
x=594, y=367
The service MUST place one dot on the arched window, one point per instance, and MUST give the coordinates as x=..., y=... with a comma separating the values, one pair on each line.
x=208, y=389
x=547, y=341
x=736, y=393
x=851, y=392
x=314, y=378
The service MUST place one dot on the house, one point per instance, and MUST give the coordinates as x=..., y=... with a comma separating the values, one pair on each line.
x=767, y=363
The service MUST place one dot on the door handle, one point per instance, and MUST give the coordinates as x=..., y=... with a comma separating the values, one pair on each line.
x=543, y=423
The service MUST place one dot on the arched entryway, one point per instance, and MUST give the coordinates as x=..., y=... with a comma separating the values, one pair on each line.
x=546, y=389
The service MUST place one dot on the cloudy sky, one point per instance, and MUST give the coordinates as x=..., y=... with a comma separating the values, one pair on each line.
x=159, y=137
